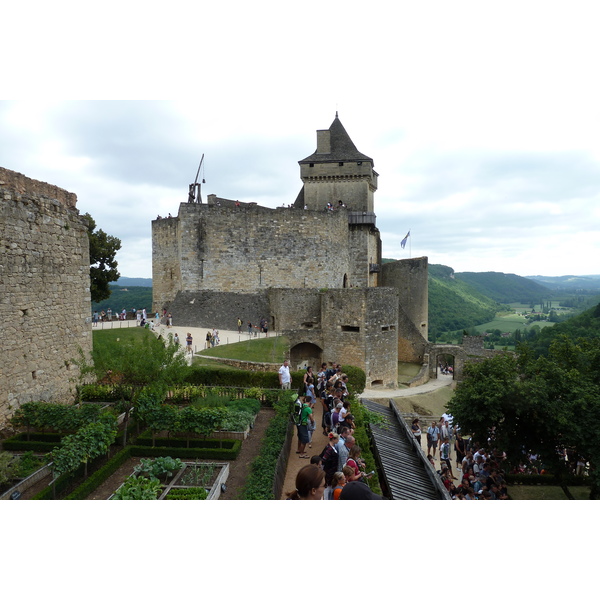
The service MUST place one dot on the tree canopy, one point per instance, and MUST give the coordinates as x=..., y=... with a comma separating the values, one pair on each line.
x=103, y=266
x=541, y=405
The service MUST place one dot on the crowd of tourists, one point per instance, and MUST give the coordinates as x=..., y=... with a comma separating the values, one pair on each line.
x=478, y=473
x=338, y=471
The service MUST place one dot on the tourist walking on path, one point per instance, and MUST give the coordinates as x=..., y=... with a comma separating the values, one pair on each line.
x=306, y=417
x=285, y=378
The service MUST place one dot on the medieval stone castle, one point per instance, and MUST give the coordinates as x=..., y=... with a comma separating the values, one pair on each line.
x=315, y=274
x=313, y=270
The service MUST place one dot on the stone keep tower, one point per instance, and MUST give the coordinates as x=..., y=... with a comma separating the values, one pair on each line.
x=338, y=174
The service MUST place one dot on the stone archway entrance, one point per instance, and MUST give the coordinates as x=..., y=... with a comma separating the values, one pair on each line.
x=304, y=355
x=449, y=355
x=445, y=365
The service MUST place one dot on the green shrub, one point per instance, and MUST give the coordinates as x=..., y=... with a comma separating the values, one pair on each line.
x=38, y=442
x=237, y=420
x=159, y=467
x=96, y=392
x=250, y=405
x=194, y=493
x=138, y=488
x=29, y=463
x=99, y=476
x=58, y=417
x=8, y=467
x=259, y=485
x=357, y=379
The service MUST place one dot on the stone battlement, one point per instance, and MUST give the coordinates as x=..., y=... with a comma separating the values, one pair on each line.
x=21, y=187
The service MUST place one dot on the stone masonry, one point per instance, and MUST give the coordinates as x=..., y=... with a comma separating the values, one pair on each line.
x=313, y=270
x=44, y=292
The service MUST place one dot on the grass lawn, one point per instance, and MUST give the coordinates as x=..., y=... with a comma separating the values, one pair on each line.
x=107, y=337
x=406, y=371
x=273, y=349
x=547, y=492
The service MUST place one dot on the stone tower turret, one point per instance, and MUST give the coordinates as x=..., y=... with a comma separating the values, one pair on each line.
x=337, y=171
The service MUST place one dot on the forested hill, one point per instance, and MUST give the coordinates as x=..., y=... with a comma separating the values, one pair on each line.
x=585, y=325
x=569, y=283
x=506, y=287
x=455, y=304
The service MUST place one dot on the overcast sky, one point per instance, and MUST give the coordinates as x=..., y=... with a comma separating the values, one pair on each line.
x=482, y=122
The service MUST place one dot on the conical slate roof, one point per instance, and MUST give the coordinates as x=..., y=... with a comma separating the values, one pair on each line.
x=342, y=147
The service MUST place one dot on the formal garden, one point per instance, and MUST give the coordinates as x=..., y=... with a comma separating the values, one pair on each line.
x=145, y=425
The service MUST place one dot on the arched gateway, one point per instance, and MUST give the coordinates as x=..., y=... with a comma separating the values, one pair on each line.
x=305, y=354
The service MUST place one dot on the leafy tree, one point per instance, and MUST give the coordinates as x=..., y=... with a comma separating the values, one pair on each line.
x=140, y=366
x=539, y=404
x=103, y=266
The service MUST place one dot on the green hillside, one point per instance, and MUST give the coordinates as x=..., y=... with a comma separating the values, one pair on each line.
x=454, y=304
x=126, y=298
x=506, y=287
x=585, y=325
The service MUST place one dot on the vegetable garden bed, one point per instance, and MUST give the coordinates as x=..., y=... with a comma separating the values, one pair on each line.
x=193, y=481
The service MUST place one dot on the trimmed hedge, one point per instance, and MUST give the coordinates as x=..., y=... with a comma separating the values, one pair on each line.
x=357, y=379
x=95, y=392
x=212, y=376
x=259, y=485
x=362, y=435
x=99, y=476
x=38, y=442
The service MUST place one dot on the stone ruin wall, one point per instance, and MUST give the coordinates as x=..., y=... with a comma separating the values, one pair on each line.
x=359, y=328
x=410, y=278
x=247, y=249
x=166, y=273
x=44, y=292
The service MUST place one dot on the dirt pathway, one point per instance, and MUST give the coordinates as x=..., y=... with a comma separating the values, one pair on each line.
x=295, y=463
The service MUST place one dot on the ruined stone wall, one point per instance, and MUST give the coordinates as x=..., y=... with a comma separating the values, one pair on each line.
x=44, y=292
x=166, y=271
x=364, y=249
x=298, y=309
x=359, y=328
x=208, y=309
x=409, y=277
x=412, y=346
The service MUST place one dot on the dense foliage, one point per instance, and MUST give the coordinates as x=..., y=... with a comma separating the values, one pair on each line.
x=453, y=304
x=542, y=405
x=87, y=443
x=124, y=298
x=55, y=417
x=103, y=266
x=259, y=485
x=586, y=325
x=505, y=287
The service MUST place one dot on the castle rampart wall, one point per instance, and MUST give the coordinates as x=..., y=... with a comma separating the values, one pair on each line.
x=44, y=292
x=248, y=249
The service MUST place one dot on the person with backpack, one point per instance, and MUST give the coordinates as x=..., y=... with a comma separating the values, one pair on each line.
x=304, y=418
